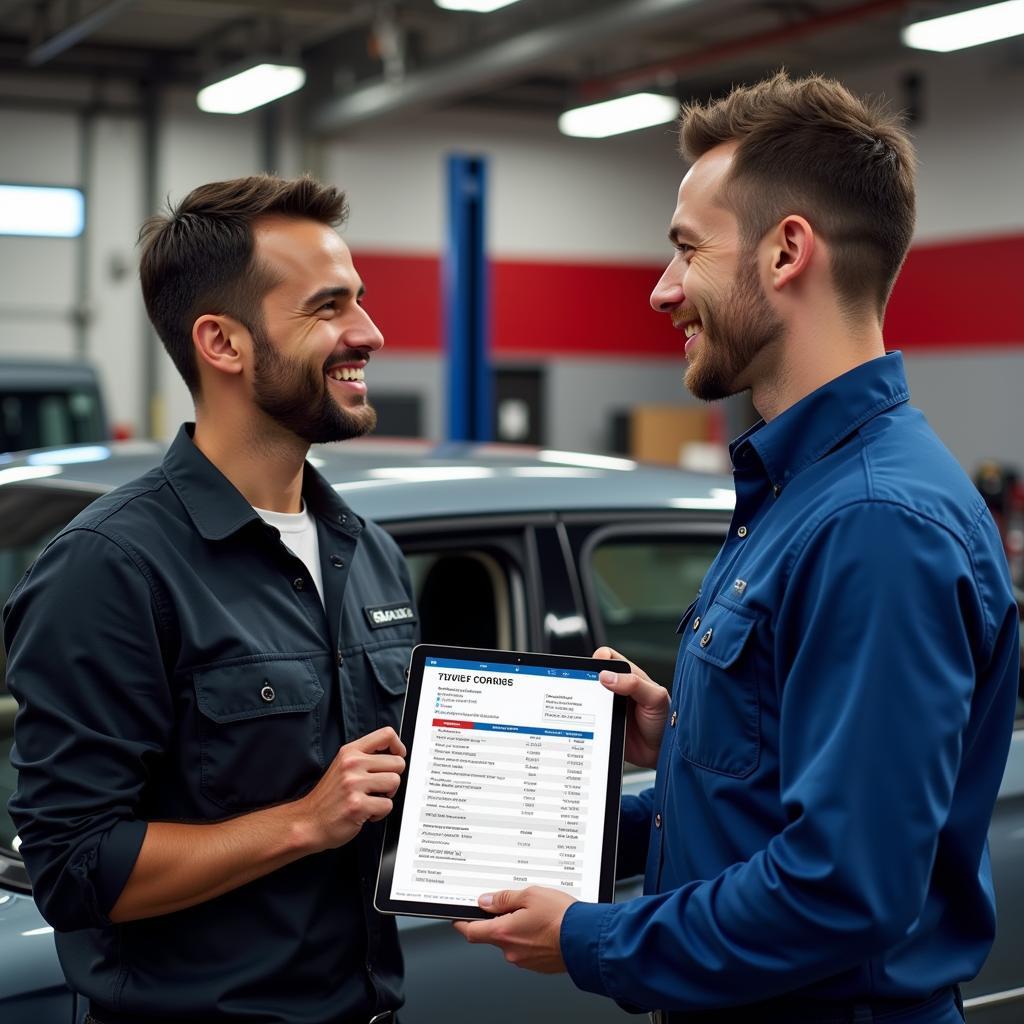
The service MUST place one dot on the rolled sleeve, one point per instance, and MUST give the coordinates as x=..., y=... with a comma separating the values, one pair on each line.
x=86, y=668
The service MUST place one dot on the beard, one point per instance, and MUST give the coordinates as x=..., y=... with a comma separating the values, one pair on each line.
x=732, y=339
x=296, y=396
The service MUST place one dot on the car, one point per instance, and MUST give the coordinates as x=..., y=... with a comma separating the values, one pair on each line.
x=50, y=402
x=507, y=547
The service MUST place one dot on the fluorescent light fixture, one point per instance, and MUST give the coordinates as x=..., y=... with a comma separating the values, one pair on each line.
x=613, y=117
x=477, y=6
x=969, y=28
x=41, y=210
x=250, y=88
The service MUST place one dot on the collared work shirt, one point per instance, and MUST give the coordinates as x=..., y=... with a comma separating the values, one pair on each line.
x=173, y=661
x=841, y=713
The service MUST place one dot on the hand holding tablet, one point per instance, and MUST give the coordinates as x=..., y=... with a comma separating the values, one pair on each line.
x=514, y=776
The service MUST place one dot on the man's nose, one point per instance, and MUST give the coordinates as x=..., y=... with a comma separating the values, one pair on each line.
x=364, y=333
x=668, y=293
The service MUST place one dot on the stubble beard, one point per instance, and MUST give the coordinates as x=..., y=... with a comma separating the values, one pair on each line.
x=733, y=338
x=296, y=397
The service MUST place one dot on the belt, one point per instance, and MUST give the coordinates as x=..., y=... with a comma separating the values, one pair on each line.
x=792, y=1010
x=103, y=1015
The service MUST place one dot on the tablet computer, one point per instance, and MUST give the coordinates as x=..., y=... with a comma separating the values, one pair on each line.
x=513, y=778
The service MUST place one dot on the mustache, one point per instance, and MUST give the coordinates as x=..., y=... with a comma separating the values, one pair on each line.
x=350, y=355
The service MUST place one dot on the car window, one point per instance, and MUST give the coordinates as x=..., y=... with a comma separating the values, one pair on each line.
x=34, y=419
x=640, y=586
x=466, y=597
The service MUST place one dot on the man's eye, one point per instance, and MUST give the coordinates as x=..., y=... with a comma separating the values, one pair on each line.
x=330, y=304
x=684, y=248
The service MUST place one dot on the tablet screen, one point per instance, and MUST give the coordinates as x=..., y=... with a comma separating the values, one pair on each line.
x=508, y=780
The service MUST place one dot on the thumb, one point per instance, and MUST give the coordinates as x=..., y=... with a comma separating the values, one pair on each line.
x=503, y=902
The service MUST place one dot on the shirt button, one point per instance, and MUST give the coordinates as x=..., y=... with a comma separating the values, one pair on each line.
x=338, y=563
x=342, y=518
x=777, y=490
x=706, y=638
x=741, y=532
x=657, y=820
x=298, y=583
x=672, y=720
x=696, y=624
x=341, y=659
x=267, y=693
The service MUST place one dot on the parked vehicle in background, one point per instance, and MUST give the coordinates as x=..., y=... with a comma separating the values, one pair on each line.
x=514, y=548
x=49, y=403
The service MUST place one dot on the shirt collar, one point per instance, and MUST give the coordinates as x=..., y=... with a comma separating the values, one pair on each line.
x=218, y=509
x=817, y=423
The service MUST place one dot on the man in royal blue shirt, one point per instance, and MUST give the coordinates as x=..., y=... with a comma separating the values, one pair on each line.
x=844, y=694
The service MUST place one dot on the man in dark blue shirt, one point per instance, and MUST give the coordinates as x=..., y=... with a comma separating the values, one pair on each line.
x=206, y=736
x=844, y=693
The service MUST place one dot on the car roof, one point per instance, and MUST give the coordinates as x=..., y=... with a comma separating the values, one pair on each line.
x=405, y=480
x=22, y=374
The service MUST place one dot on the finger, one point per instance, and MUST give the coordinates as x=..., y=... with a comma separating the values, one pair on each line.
x=385, y=763
x=381, y=784
x=503, y=902
x=478, y=931
x=377, y=807
x=385, y=739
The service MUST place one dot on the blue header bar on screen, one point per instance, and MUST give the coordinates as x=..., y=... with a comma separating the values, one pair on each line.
x=506, y=668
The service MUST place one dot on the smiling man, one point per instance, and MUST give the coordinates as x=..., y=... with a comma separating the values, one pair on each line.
x=206, y=737
x=829, y=758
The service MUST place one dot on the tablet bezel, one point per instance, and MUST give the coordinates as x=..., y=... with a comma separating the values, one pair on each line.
x=393, y=823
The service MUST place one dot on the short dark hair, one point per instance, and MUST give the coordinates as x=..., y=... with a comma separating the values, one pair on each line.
x=198, y=256
x=809, y=146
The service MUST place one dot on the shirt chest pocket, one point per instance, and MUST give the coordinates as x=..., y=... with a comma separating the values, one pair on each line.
x=259, y=730
x=387, y=667
x=719, y=694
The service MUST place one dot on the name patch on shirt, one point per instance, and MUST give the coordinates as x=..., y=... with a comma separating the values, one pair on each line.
x=382, y=615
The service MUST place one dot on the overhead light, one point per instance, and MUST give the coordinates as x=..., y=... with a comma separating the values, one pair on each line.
x=969, y=28
x=613, y=117
x=250, y=88
x=478, y=6
x=41, y=210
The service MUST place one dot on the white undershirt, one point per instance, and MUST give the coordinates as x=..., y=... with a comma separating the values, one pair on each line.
x=298, y=532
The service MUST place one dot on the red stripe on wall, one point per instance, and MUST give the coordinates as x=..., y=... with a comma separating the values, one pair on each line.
x=564, y=309
x=966, y=295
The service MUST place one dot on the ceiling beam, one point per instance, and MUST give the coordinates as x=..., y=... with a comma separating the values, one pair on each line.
x=75, y=32
x=500, y=62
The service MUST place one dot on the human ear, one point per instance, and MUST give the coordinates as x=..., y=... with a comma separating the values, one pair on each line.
x=793, y=244
x=216, y=342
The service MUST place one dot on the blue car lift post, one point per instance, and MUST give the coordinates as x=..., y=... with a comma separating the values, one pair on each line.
x=467, y=303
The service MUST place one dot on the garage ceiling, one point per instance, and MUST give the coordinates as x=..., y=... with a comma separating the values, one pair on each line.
x=367, y=60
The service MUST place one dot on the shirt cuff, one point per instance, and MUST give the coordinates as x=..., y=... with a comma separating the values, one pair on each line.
x=580, y=938
x=118, y=851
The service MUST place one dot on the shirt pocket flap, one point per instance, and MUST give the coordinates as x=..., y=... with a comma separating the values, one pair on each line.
x=253, y=688
x=722, y=635
x=389, y=666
